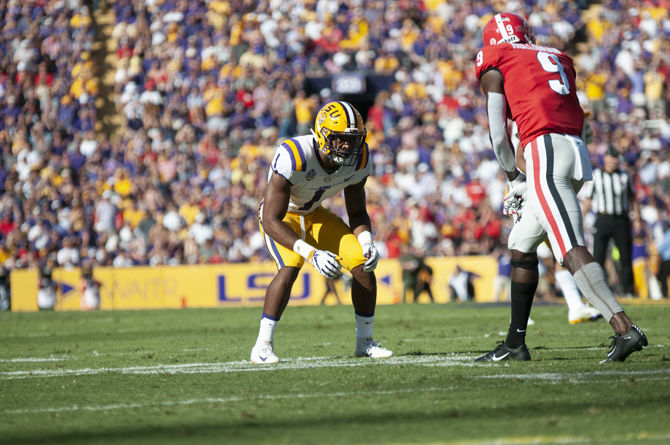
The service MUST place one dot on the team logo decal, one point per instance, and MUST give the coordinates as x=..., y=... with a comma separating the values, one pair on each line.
x=311, y=174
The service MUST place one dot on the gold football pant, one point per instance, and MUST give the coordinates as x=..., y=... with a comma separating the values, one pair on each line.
x=323, y=230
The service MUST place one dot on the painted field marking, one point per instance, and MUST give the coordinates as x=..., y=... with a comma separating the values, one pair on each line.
x=94, y=353
x=516, y=440
x=321, y=362
x=550, y=376
x=239, y=366
x=33, y=359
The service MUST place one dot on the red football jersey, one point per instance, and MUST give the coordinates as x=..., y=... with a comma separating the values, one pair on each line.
x=539, y=86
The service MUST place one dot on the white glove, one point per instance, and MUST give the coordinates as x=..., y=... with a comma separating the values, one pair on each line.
x=372, y=257
x=322, y=260
x=326, y=263
x=369, y=251
x=513, y=200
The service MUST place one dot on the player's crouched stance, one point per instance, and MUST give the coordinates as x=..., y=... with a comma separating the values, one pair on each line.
x=305, y=171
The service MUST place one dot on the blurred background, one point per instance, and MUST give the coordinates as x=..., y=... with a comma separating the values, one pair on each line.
x=138, y=133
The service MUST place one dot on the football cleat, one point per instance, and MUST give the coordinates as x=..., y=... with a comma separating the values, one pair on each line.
x=370, y=348
x=503, y=352
x=624, y=345
x=584, y=314
x=263, y=353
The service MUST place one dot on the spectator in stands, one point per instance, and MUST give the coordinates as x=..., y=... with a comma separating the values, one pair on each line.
x=182, y=68
x=664, y=267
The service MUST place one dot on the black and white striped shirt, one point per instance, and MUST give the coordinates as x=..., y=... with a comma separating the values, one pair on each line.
x=611, y=193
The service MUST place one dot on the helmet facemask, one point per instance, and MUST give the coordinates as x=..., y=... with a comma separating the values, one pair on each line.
x=340, y=133
x=343, y=148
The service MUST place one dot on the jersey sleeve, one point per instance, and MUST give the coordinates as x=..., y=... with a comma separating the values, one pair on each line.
x=281, y=164
x=484, y=61
x=288, y=161
x=588, y=189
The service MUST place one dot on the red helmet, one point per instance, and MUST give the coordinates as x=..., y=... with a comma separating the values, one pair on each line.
x=507, y=28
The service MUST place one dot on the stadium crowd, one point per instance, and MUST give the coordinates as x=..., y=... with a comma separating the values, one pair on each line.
x=206, y=89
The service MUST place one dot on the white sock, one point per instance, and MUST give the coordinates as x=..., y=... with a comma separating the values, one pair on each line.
x=570, y=291
x=364, y=327
x=266, y=333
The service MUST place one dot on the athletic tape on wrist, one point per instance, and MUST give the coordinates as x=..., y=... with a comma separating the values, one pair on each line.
x=365, y=238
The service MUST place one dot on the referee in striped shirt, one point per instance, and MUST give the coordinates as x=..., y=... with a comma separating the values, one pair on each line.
x=612, y=198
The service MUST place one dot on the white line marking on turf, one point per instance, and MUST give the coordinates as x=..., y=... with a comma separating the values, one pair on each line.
x=516, y=440
x=232, y=399
x=32, y=359
x=242, y=366
x=578, y=375
x=95, y=353
x=325, y=362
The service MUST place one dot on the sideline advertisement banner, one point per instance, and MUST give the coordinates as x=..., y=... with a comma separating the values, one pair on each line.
x=233, y=285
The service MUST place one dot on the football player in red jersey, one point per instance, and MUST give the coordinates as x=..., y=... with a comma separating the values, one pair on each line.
x=535, y=86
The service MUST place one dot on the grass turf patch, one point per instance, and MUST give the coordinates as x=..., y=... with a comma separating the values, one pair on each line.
x=175, y=375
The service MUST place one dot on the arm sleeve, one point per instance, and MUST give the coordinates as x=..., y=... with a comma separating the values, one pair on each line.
x=587, y=190
x=496, y=108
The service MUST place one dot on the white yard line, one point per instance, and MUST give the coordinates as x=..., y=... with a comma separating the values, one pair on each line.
x=33, y=359
x=325, y=362
x=644, y=437
x=237, y=366
x=549, y=376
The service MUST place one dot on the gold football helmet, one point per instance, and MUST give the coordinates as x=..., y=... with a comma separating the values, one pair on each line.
x=340, y=133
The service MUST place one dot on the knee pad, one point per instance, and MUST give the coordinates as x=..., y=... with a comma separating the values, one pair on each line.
x=529, y=264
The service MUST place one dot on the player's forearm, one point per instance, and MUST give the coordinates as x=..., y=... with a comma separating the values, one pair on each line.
x=359, y=219
x=504, y=155
x=496, y=109
x=360, y=223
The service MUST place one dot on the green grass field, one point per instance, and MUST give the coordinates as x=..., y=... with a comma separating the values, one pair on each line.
x=183, y=376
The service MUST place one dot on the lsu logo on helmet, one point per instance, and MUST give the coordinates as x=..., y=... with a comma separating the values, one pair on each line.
x=339, y=132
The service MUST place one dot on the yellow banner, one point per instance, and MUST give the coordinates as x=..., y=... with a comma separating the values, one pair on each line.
x=233, y=285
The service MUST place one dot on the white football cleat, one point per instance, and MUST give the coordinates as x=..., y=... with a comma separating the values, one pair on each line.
x=263, y=353
x=369, y=348
x=585, y=313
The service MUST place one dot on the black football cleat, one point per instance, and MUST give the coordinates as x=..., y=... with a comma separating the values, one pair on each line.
x=624, y=345
x=504, y=352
